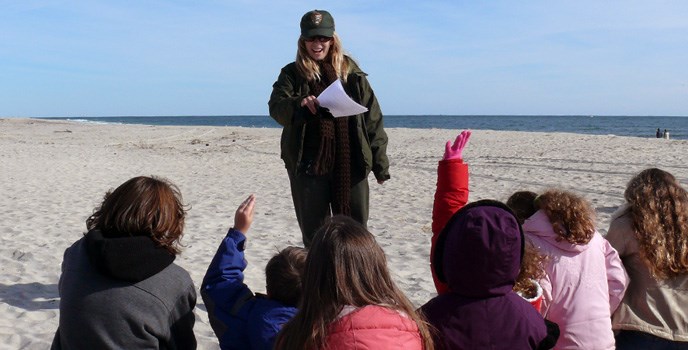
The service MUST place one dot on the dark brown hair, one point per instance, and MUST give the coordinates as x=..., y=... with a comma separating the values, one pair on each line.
x=284, y=275
x=523, y=204
x=572, y=217
x=345, y=266
x=659, y=206
x=142, y=206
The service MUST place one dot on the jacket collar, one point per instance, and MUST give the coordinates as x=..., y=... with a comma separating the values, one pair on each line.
x=128, y=258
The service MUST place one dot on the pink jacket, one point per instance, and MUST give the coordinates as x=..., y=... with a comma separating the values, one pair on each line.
x=583, y=286
x=375, y=328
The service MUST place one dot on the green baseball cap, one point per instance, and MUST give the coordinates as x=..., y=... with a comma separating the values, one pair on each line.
x=317, y=23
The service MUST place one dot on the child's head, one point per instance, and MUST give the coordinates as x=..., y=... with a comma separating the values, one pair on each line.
x=345, y=267
x=142, y=206
x=479, y=251
x=572, y=217
x=284, y=275
x=523, y=204
x=659, y=206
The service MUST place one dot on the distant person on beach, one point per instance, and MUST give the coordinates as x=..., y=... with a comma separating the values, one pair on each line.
x=650, y=232
x=240, y=318
x=666, y=134
x=585, y=278
x=327, y=159
x=659, y=134
x=350, y=300
x=119, y=287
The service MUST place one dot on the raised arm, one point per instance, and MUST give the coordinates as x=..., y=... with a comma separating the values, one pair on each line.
x=452, y=191
x=223, y=285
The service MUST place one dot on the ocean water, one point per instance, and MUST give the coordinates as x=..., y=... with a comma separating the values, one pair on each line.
x=598, y=125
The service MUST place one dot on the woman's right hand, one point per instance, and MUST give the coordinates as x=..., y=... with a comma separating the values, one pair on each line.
x=243, y=218
x=311, y=102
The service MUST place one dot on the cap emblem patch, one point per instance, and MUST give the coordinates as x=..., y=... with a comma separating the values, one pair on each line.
x=316, y=17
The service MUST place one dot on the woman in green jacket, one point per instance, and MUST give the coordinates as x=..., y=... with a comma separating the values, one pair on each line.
x=327, y=159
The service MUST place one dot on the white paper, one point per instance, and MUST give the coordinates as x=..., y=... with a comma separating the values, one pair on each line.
x=338, y=102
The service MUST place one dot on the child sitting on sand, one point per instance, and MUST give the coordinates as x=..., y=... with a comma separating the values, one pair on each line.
x=120, y=287
x=240, y=319
x=350, y=300
x=452, y=194
x=585, y=279
x=478, y=255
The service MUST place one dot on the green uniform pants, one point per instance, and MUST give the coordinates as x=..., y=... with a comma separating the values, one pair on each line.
x=312, y=196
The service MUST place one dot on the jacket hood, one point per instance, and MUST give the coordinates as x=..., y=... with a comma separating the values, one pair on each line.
x=538, y=225
x=479, y=251
x=129, y=258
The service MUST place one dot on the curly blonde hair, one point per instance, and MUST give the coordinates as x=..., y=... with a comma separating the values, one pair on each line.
x=532, y=268
x=310, y=69
x=572, y=217
x=659, y=206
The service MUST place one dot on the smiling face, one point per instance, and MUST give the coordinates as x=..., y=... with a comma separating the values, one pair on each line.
x=318, y=47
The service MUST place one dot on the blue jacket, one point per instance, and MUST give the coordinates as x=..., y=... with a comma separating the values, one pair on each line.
x=240, y=319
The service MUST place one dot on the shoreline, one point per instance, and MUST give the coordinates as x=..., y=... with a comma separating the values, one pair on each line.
x=55, y=172
x=641, y=127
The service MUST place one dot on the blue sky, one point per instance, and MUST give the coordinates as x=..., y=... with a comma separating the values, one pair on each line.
x=110, y=58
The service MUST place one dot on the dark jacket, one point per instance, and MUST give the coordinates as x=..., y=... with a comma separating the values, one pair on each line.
x=369, y=146
x=124, y=293
x=478, y=254
x=240, y=319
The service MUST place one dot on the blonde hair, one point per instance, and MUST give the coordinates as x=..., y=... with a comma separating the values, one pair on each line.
x=532, y=268
x=345, y=266
x=659, y=206
x=310, y=69
x=572, y=217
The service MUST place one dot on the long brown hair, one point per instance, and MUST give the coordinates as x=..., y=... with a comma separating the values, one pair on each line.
x=345, y=266
x=142, y=206
x=659, y=206
x=572, y=217
x=310, y=69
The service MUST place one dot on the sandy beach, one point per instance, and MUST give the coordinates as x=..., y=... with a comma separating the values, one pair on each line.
x=53, y=174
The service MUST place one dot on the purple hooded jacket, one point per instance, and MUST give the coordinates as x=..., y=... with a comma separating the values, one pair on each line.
x=478, y=254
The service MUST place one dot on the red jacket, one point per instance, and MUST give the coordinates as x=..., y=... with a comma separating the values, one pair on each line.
x=450, y=196
x=374, y=328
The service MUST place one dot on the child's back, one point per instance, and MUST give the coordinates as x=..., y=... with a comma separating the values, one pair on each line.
x=478, y=254
x=585, y=279
x=240, y=319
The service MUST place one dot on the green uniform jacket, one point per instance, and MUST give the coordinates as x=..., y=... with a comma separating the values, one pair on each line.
x=285, y=107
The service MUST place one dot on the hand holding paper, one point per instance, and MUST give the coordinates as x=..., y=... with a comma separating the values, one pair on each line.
x=335, y=99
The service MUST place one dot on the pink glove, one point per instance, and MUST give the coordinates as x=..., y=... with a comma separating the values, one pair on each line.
x=454, y=151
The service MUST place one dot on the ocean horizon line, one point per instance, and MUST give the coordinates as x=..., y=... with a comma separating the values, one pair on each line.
x=636, y=126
